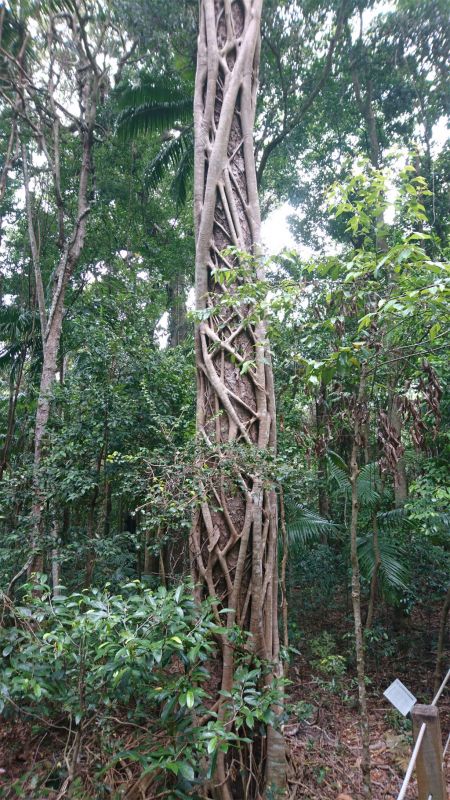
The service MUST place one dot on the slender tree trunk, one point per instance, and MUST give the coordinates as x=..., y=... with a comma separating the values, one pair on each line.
x=441, y=641
x=13, y=397
x=71, y=233
x=400, y=477
x=284, y=561
x=90, y=554
x=234, y=534
x=151, y=562
x=51, y=326
x=178, y=326
x=55, y=558
x=321, y=424
x=360, y=414
x=376, y=569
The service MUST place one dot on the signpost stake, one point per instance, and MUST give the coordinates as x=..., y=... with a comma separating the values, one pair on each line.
x=430, y=776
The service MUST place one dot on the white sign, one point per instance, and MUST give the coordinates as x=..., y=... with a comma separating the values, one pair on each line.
x=400, y=697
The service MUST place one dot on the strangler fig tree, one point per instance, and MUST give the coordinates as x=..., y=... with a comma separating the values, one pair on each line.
x=234, y=535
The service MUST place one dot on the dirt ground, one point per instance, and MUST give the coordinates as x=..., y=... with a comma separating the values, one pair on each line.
x=325, y=750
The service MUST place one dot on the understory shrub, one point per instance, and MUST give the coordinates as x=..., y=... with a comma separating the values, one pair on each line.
x=100, y=665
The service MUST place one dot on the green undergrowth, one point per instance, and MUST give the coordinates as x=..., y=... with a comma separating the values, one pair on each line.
x=123, y=680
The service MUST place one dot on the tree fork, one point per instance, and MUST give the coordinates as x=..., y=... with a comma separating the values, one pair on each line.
x=234, y=534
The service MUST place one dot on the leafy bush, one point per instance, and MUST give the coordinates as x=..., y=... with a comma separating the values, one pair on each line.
x=138, y=658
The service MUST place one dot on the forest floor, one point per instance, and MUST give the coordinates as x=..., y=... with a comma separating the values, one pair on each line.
x=325, y=750
x=325, y=745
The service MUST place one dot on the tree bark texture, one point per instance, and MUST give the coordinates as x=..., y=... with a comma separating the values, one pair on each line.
x=234, y=533
x=400, y=476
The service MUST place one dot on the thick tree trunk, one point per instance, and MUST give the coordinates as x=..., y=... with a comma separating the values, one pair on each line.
x=234, y=535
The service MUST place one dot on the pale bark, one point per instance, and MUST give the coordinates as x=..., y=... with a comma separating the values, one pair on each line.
x=234, y=535
x=70, y=242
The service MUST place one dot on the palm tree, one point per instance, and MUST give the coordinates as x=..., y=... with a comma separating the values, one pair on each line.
x=161, y=105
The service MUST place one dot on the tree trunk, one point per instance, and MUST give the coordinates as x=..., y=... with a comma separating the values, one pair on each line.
x=234, y=534
x=284, y=561
x=400, y=478
x=176, y=296
x=360, y=414
x=441, y=642
x=376, y=569
x=15, y=385
x=55, y=562
x=322, y=471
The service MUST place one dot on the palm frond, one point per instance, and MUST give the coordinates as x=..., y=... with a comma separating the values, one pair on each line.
x=394, y=520
x=150, y=89
x=338, y=473
x=152, y=105
x=16, y=325
x=183, y=173
x=171, y=155
x=393, y=571
x=305, y=526
x=368, y=484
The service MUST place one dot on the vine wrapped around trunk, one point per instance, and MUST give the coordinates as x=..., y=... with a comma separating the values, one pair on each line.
x=234, y=535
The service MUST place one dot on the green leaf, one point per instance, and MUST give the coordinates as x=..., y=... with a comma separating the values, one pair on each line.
x=434, y=330
x=190, y=698
x=187, y=771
